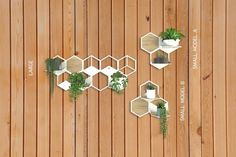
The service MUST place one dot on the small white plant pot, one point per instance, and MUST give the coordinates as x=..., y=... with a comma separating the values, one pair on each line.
x=120, y=86
x=151, y=94
x=171, y=42
x=152, y=108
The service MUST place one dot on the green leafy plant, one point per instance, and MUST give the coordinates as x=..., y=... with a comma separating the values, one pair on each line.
x=118, y=82
x=150, y=86
x=78, y=84
x=52, y=65
x=171, y=33
x=163, y=117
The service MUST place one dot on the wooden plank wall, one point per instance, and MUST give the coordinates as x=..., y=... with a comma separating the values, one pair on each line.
x=199, y=84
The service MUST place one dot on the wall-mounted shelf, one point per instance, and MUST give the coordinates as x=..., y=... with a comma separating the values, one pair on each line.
x=142, y=105
x=152, y=43
x=94, y=68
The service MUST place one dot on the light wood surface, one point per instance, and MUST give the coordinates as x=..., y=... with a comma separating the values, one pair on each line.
x=99, y=124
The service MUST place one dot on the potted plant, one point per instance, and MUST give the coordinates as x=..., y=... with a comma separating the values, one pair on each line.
x=162, y=113
x=171, y=37
x=78, y=84
x=52, y=64
x=118, y=82
x=150, y=91
x=160, y=58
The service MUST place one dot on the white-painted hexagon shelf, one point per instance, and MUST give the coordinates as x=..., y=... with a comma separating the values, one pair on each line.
x=139, y=107
x=74, y=64
x=127, y=65
x=152, y=43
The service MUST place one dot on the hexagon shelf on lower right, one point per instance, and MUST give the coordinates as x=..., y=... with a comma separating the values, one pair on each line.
x=148, y=101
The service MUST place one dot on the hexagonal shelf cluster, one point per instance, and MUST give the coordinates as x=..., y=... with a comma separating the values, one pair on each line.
x=143, y=104
x=158, y=51
x=93, y=67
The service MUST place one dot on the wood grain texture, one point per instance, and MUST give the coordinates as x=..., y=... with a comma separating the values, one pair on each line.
x=230, y=78
x=17, y=82
x=69, y=108
x=56, y=110
x=143, y=75
x=195, y=127
x=93, y=95
x=131, y=48
x=105, y=100
x=30, y=81
x=182, y=59
x=219, y=78
x=118, y=105
x=42, y=84
x=157, y=23
x=170, y=83
x=99, y=124
x=206, y=78
x=5, y=82
x=81, y=104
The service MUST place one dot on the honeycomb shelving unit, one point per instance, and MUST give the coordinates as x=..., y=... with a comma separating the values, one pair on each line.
x=92, y=68
x=152, y=43
x=141, y=105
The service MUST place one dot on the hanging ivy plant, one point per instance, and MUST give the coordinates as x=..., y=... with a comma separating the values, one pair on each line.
x=78, y=83
x=162, y=112
x=52, y=64
x=118, y=82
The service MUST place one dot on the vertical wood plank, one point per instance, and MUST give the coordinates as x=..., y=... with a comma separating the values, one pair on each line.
x=105, y=103
x=170, y=83
x=182, y=81
x=30, y=81
x=69, y=105
x=118, y=104
x=56, y=99
x=81, y=104
x=5, y=82
x=17, y=85
x=230, y=76
x=206, y=79
x=93, y=97
x=143, y=76
x=43, y=84
x=157, y=144
x=131, y=48
x=194, y=79
x=219, y=78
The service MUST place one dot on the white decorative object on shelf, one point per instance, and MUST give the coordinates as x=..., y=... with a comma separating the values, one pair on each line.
x=143, y=105
x=93, y=67
x=152, y=43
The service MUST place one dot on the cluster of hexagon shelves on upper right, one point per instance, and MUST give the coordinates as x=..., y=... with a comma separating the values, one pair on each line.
x=94, y=68
x=152, y=44
x=141, y=105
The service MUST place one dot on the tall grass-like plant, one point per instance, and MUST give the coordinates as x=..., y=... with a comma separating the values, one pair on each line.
x=52, y=64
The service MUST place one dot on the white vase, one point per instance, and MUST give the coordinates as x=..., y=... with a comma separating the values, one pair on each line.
x=171, y=42
x=151, y=94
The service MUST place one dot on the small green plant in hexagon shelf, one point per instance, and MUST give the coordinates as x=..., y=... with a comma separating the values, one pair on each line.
x=78, y=84
x=162, y=113
x=171, y=37
x=52, y=64
x=118, y=82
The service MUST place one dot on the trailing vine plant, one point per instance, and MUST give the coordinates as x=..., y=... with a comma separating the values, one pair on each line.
x=163, y=118
x=78, y=84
